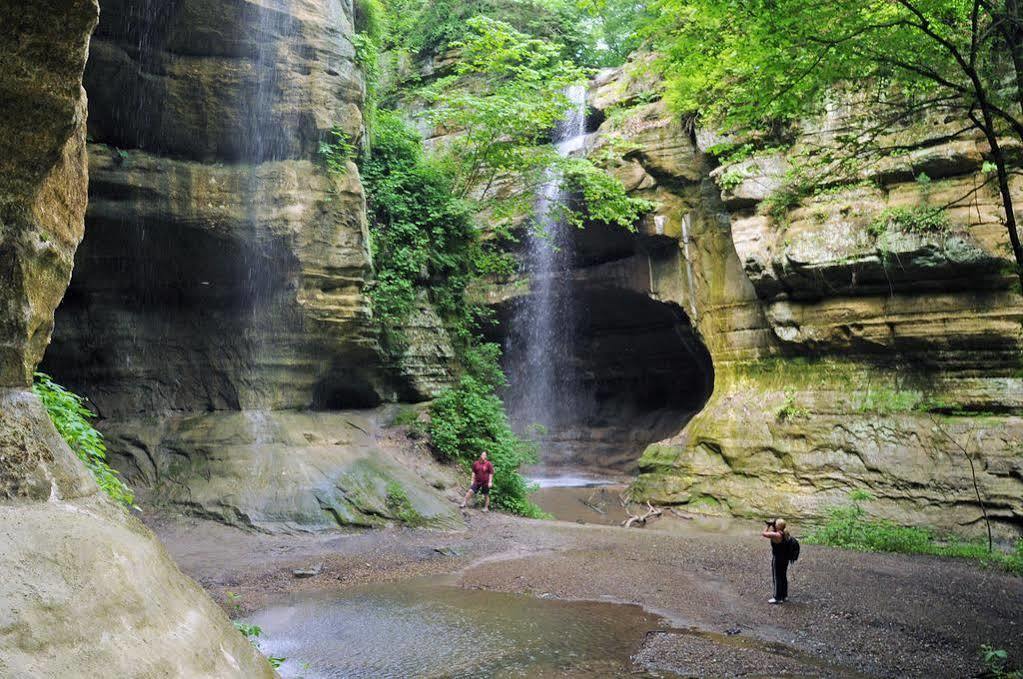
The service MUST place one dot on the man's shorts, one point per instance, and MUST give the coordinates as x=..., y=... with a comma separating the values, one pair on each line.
x=478, y=488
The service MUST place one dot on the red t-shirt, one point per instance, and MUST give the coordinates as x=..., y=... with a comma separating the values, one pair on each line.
x=481, y=471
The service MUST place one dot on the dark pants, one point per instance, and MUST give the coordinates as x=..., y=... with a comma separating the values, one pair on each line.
x=780, y=571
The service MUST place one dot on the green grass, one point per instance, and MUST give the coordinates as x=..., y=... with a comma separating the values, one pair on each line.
x=849, y=527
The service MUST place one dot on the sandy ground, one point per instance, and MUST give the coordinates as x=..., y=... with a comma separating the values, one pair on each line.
x=849, y=614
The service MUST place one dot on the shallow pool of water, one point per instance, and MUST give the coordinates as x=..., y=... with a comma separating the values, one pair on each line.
x=429, y=629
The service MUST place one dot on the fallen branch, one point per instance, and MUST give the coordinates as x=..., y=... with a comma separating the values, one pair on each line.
x=635, y=520
x=593, y=504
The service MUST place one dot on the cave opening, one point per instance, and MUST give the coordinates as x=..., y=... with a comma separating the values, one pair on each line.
x=638, y=370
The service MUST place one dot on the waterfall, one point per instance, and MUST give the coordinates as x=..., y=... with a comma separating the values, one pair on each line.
x=544, y=385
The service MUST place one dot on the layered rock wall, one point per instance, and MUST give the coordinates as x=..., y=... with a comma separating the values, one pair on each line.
x=224, y=267
x=219, y=308
x=87, y=590
x=851, y=349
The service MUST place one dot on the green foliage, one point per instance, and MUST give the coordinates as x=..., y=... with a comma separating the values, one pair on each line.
x=604, y=198
x=732, y=179
x=72, y=419
x=371, y=30
x=424, y=241
x=248, y=631
x=921, y=219
x=752, y=64
x=795, y=186
x=996, y=662
x=593, y=33
x=400, y=505
x=494, y=263
x=470, y=418
x=850, y=527
x=336, y=151
x=505, y=95
x=252, y=633
x=371, y=19
x=791, y=410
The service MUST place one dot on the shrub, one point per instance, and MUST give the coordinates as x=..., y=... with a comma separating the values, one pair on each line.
x=732, y=179
x=466, y=420
x=252, y=633
x=336, y=151
x=849, y=527
x=71, y=418
x=918, y=220
x=604, y=198
x=790, y=410
x=423, y=237
x=996, y=662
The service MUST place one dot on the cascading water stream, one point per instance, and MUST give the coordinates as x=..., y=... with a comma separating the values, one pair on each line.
x=544, y=385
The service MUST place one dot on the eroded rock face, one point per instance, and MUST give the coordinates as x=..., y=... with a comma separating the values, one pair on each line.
x=845, y=355
x=283, y=470
x=87, y=590
x=224, y=274
x=42, y=172
x=225, y=267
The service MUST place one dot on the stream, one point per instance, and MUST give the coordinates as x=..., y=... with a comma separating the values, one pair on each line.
x=429, y=628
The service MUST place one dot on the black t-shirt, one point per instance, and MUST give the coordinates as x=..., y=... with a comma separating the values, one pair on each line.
x=780, y=549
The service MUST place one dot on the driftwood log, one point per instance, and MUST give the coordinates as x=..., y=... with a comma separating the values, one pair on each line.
x=636, y=520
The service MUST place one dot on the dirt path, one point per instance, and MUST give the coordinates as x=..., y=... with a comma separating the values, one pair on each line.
x=849, y=614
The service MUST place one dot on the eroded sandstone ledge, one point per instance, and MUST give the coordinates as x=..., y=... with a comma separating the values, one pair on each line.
x=843, y=359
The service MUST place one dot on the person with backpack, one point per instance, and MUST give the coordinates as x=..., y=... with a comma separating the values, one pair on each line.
x=784, y=548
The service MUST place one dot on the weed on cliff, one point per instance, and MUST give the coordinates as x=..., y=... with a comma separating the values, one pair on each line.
x=73, y=421
x=849, y=527
x=920, y=220
x=790, y=410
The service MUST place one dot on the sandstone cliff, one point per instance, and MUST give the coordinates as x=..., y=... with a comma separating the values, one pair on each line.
x=87, y=590
x=849, y=349
x=218, y=308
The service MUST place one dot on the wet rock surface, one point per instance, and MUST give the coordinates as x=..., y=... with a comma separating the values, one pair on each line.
x=285, y=471
x=845, y=355
x=87, y=589
x=225, y=268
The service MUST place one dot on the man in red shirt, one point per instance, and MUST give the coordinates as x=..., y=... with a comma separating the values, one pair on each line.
x=482, y=480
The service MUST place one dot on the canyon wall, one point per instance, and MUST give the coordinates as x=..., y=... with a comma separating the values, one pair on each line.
x=87, y=590
x=851, y=349
x=218, y=313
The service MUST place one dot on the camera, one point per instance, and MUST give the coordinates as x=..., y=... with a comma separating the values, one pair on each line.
x=770, y=522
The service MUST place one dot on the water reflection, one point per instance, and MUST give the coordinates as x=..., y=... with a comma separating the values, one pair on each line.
x=424, y=629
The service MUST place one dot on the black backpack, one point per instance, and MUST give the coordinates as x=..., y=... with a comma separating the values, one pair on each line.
x=793, y=548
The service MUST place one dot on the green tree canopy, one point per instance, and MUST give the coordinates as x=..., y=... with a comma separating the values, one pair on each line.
x=754, y=63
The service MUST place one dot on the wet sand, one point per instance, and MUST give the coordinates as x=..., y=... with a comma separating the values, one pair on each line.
x=849, y=614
